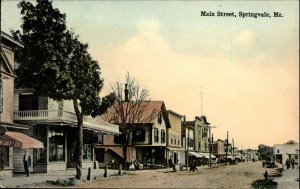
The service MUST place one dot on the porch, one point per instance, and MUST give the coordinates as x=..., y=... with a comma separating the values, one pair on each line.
x=63, y=118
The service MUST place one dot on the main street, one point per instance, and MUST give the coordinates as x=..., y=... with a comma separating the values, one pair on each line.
x=225, y=176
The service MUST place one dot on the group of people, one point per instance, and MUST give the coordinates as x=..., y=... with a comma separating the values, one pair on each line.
x=290, y=162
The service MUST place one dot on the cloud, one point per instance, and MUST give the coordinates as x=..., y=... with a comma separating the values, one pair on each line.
x=244, y=39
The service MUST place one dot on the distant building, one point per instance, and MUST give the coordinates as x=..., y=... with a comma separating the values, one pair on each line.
x=285, y=151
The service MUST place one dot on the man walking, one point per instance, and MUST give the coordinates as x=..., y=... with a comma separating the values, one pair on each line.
x=27, y=162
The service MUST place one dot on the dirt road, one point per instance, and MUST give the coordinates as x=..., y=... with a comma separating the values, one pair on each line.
x=229, y=176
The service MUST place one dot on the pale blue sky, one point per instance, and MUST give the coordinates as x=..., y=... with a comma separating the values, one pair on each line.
x=247, y=67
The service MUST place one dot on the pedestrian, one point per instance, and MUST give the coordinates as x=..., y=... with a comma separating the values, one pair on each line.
x=287, y=163
x=27, y=162
x=293, y=162
x=170, y=163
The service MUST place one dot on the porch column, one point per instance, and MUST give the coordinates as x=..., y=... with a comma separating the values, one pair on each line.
x=47, y=150
x=66, y=146
x=105, y=156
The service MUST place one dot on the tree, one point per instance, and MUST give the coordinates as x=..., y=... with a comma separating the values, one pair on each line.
x=56, y=64
x=130, y=111
x=265, y=152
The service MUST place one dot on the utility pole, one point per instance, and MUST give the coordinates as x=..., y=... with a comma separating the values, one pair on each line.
x=209, y=144
x=226, y=147
x=232, y=147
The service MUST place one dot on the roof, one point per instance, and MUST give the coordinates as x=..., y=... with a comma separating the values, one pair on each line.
x=20, y=140
x=9, y=38
x=135, y=112
x=175, y=113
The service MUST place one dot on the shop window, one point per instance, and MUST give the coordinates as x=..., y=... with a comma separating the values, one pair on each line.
x=41, y=153
x=87, y=152
x=56, y=145
x=4, y=156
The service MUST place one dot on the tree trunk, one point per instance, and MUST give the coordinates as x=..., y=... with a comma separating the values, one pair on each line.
x=79, y=142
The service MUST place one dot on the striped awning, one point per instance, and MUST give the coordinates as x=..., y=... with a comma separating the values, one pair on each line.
x=195, y=154
x=19, y=140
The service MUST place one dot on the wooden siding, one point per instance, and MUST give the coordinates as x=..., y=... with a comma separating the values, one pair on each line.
x=8, y=93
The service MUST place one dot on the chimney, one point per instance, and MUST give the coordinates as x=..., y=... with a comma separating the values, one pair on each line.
x=212, y=137
x=126, y=93
x=183, y=117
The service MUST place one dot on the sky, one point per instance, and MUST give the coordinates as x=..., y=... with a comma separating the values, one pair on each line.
x=241, y=73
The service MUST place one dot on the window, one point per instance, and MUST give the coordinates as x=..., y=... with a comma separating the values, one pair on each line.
x=4, y=156
x=28, y=102
x=41, y=153
x=159, y=118
x=277, y=151
x=156, y=135
x=163, y=136
x=118, y=139
x=87, y=152
x=1, y=97
x=191, y=143
x=100, y=138
x=56, y=145
x=139, y=135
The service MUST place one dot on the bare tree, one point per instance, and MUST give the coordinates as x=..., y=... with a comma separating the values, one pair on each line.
x=131, y=110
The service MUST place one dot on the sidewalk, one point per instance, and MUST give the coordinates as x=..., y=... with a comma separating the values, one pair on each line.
x=19, y=180
x=289, y=179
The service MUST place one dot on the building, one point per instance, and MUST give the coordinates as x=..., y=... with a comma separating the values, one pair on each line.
x=147, y=125
x=175, y=151
x=218, y=149
x=12, y=141
x=55, y=124
x=285, y=151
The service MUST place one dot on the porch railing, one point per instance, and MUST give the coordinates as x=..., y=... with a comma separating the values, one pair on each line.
x=60, y=115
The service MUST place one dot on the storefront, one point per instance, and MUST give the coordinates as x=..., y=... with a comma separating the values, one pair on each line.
x=11, y=141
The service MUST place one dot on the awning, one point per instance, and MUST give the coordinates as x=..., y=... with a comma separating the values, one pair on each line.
x=206, y=155
x=19, y=140
x=175, y=149
x=195, y=154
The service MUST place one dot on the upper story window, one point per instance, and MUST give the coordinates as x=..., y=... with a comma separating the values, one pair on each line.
x=159, y=118
x=118, y=139
x=28, y=102
x=139, y=135
x=156, y=135
x=163, y=136
x=100, y=138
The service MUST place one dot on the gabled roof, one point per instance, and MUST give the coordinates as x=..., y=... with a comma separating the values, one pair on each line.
x=175, y=113
x=10, y=42
x=6, y=65
x=144, y=112
x=10, y=39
